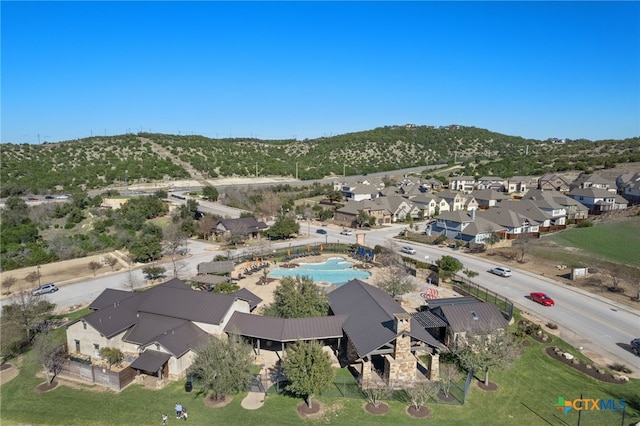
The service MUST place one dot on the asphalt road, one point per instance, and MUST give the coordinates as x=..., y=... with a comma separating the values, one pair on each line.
x=585, y=320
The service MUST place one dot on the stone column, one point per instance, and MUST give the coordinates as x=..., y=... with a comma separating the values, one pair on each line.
x=434, y=367
x=365, y=377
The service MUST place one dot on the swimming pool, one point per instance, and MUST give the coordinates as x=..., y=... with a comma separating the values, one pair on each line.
x=334, y=270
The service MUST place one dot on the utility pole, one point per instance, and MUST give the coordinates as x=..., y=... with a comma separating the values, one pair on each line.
x=344, y=170
x=256, y=169
x=296, y=170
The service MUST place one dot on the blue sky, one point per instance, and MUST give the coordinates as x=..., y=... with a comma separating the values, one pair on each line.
x=312, y=69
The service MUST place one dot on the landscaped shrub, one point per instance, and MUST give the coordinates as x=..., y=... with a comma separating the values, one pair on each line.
x=551, y=326
x=585, y=224
x=620, y=367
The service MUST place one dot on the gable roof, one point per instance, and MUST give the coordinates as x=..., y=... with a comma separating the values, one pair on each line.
x=371, y=321
x=472, y=317
x=108, y=297
x=217, y=267
x=246, y=295
x=171, y=299
x=286, y=329
x=175, y=335
x=247, y=225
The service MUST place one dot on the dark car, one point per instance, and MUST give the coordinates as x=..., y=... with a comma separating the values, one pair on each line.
x=49, y=197
x=635, y=346
x=542, y=299
x=321, y=231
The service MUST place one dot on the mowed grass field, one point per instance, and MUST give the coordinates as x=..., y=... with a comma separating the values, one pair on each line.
x=617, y=242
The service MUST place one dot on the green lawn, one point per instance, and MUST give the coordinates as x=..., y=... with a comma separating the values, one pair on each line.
x=618, y=242
x=526, y=395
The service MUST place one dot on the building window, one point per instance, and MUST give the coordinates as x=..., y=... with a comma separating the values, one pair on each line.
x=84, y=325
x=78, y=346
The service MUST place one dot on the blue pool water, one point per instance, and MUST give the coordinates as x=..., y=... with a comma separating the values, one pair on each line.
x=334, y=270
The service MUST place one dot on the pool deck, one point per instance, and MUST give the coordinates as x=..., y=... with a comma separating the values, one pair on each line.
x=410, y=302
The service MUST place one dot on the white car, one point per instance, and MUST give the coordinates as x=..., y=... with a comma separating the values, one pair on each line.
x=502, y=271
x=345, y=232
x=408, y=250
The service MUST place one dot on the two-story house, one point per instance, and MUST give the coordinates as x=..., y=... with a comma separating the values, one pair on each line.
x=462, y=183
x=598, y=200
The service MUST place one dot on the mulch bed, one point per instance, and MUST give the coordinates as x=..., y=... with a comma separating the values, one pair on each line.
x=46, y=387
x=421, y=413
x=448, y=398
x=304, y=409
x=491, y=387
x=5, y=366
x=217, y=403
x=581, y=366
x=381, y=409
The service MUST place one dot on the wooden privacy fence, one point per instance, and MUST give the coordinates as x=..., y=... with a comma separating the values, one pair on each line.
x=115, y=380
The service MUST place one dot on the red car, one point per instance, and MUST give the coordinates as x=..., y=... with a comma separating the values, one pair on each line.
x=542, y=299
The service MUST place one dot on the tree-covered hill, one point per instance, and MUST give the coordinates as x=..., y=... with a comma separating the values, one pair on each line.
x=101, y=161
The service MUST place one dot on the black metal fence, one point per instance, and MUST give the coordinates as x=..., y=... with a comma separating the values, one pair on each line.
x=469, y=288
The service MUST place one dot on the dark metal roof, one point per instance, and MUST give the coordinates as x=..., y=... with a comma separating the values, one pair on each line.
x=434, y=303
x=371, y=322
x=285, y=330
x=150, y=361
x=209, y=279
x=108, y=297
x=175, y=335
x=219, y=267
x=473, y=317
x=244, y=294
x=170, y=299
x=428, y=320
x=185, y=303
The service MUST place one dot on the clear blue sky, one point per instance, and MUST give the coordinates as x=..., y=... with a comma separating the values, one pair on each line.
x=305, y=70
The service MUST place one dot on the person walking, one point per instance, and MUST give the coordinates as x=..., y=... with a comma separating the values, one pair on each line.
x=164, y=419
x=184, y=414
x=178, y=410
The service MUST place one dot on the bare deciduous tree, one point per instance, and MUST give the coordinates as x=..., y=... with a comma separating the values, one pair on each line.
x=94, y=266
x=524, y=244
x=205, y=226
x=174, y=241
x=375, y=390
x=449, y=374
x=32, y=278
x=8, y=282
x=110, y=261
x=50, y=353
x=421, y=392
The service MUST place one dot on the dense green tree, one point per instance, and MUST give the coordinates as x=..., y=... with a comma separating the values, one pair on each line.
x=298, y=297
x=284, y=227
x=210, y=193
x=223, y=366
x=145, y=249
x=113, y=356
x=448, y=266
x=308, y=369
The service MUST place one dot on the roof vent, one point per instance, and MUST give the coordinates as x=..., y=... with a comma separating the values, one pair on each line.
x=474, y=315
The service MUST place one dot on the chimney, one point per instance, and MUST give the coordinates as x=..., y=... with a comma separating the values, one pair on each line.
x=473, y=214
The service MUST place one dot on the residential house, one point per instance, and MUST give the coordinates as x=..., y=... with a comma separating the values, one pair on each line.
x=493, y=183
x=553, y=200
x=360, y=191
x=547, y=214
x=464, y=226
x=598, y=200
x=161, y=327
x=554, y=182
x=628, y=185
x=430, y=204
x=513, y=223
x=457, y=200
x=520, y=184
x=248, y=227
x=348, y=214
x=487, y=198
x=462, y=183
x=594, y=180
x=431, y=184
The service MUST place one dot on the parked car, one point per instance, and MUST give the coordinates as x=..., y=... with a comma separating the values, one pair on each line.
x=44, y=289
x=502, y=271
x=635, y=346
x=49, y=197
x=321, y=231
x=345, y=232
x=32, y=199
x=542, y=299
x=408, y=250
